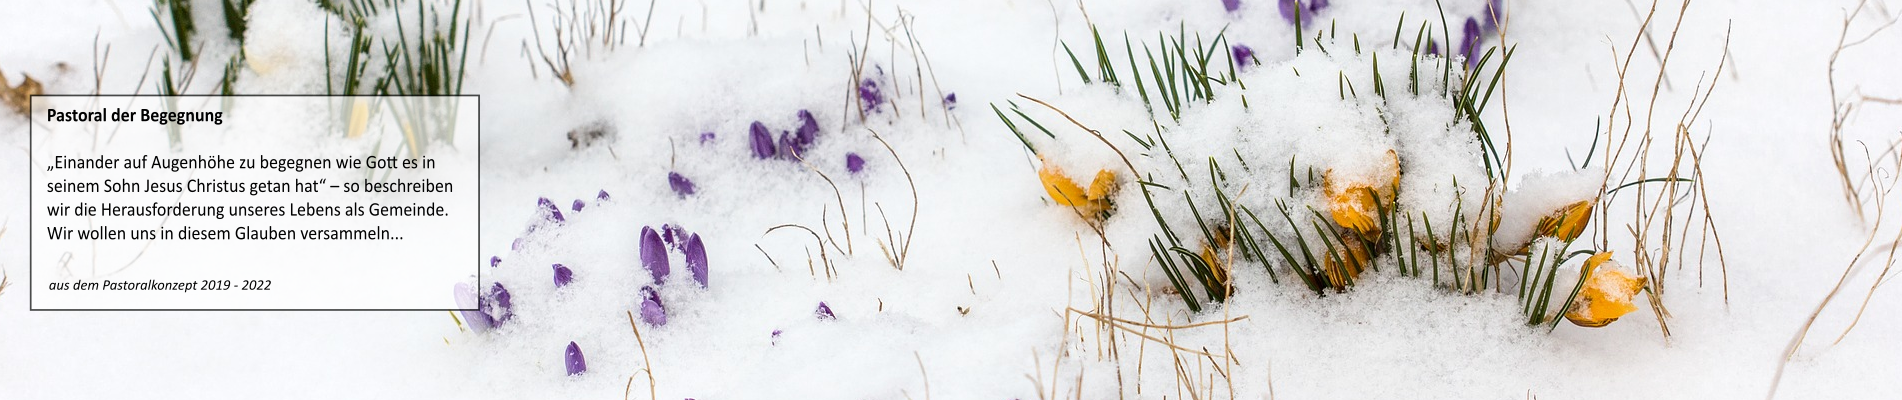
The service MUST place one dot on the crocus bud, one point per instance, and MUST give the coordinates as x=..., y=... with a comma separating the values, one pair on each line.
x=807, y=132
x=762, y=141
x=497, y=305
x=653, y=254
x=1231, y=5
x=563, y=275
x=651, y=310
x=951, y=101
x=854, y=163
x=550, y=212
x=467, y=300
x=1306, y=9
x=603, y=196
x=495, y=261
x=697, y=259
x=1470, y=45
x=576, y=364
x=672, y=235
x=869, y=95
x=1607, y=294
x=824, y=312
x=681, y=185
x=577, y=206
x=1244, y=56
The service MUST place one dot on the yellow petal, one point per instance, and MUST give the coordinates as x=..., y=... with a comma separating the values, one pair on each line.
x=1566, y=222
x=1092, y=204
x=1353, y=259
x=1355, y=209
x=1607, y=294
x=1103, y=185
x=1357, y=205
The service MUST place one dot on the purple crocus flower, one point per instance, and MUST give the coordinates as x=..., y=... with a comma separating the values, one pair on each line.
x=808, y=131
x=563, y=275
x=651, y=310
x=653, y=254
x=951, y=101
x=869, y=95
x=1231, y=5
x=552, y=212
x=577, y=206
x=672, y=235
x=497, y=305
x=1243, y=55
x=1433, y=47
x=697, y=259
x=706, y=137
x=1473, y=37
x=682, y=186
x=495, y=261
x=854, y=163
x=517, y=244
x=470, y=304
x=824, y=312
x=776, y=333
x=1307, y=9
x=576, y=364
x=603, y=196
x=762, y=141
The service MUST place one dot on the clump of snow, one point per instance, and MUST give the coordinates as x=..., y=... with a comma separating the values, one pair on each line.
x=1539, y=195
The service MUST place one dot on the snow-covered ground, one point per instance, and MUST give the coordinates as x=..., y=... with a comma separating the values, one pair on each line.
x=978, y=310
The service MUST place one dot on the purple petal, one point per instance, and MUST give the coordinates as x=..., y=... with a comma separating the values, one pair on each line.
x=807, y=132
x=1433, y=47
x=497, y=305
x=563, y=275
x=776, y=333
x=824, y=312
x=1244, y=56
x=869, y=95
x=1307, y=10
x=577, y=206
x=576, y=364
x=1231, y=5
x=550, y=212
x=706, y=137
x=1468, y=46
x=471, y=309
x=682, y=186
x=697, y=259
x=653, y=254
x=951, y=101
x=762, y=141
x=672, y=235
x=854, y=163
x=651, y=310
x=788, y=147
x=495, y=261
x=603, y=196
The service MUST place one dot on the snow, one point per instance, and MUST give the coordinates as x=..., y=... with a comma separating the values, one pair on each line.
x=979, y=309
